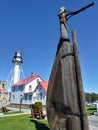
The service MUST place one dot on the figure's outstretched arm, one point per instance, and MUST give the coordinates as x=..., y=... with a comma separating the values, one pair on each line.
x=72, y=13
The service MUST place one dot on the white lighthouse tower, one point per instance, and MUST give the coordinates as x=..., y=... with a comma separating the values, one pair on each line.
x=16, y=72
x=17, y=60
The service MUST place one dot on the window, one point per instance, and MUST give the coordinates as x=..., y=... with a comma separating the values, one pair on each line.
x=13, y=97
x=39, y=96
x=25, y=96
x=21, y=88
x=40, y=87
x=13, y=89
x=30, y=86
x=30, y=97
x=37, y=80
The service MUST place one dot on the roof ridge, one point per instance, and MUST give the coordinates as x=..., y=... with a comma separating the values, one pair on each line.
x=26, y=80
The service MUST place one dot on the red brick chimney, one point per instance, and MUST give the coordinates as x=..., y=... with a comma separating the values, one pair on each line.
x=32, y=74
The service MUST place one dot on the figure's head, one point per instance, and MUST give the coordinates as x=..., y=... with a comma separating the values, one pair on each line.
x=62, y=10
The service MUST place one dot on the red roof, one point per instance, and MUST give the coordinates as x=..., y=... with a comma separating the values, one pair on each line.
x=44, y=85
x=25, y=81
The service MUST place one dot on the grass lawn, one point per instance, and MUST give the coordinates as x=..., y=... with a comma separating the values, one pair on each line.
x=91, y=110
x=22, y=122
x=25, y=122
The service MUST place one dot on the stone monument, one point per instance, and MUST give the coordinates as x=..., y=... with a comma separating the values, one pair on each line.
x=65, y=97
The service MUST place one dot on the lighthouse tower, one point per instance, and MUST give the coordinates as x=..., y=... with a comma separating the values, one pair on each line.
x=17, y=60
x=16, y=72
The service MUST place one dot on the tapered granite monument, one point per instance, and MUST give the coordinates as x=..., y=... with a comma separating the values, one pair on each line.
x=65, y=97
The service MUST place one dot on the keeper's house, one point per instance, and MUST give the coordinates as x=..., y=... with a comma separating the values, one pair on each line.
x=29, y=90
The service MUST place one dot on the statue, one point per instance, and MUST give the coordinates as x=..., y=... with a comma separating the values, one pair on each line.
x=65, y=96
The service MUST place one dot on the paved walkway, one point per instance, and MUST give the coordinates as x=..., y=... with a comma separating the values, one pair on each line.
x=23, y=111
x=93, y=122
x=18, y=109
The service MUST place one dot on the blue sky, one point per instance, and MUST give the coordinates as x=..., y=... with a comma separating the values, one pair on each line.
x=32, y=27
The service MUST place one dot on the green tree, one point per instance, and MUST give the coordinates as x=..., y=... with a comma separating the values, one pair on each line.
x=87, y=97
x=91, y=97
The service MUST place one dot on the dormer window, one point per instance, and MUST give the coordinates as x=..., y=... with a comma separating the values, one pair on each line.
x=37, y=80
x=30, y=86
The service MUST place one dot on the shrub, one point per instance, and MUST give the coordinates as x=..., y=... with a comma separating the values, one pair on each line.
x=38, y=105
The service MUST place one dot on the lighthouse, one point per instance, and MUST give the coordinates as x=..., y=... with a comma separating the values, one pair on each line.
x=16, y=72
x=17, y=61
